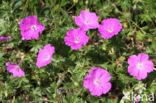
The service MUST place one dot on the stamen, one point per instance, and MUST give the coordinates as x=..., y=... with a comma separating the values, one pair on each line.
x=33, y=27
x=86, y=22
x=140, y=65
x=76, y=40
x=96, y=82
x=110, y=30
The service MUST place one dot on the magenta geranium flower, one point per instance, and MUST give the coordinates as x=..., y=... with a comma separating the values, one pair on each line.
x=15, y=70
x=75, y=38
x=140, y=65
x=98, y=81
x=87, y=20
x=30, y=28
x=110, y=27
x=2, y=38
x=45, y=56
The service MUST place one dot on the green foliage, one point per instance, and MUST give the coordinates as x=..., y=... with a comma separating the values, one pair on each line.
x=69, y=67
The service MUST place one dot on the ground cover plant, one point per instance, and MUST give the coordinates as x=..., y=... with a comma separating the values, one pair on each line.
x=77, y=51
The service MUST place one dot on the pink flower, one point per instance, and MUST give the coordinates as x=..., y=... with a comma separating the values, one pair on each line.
x=97, y=81
x=136, y=101
x=110, y=27
x=140, y=65
x=87, y=20
x=30, y=28
x=76, y=38
x=15, y=69
x=45, y=56
x=2, y=38
x=45, y=98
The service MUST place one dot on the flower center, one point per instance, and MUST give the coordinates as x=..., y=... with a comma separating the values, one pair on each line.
x=96, y=82
x=76, y=40
x=140, y=65
x=17, y=68
x=33, y=27
x=86, y=22
x=110, y=30
x=47, y=57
